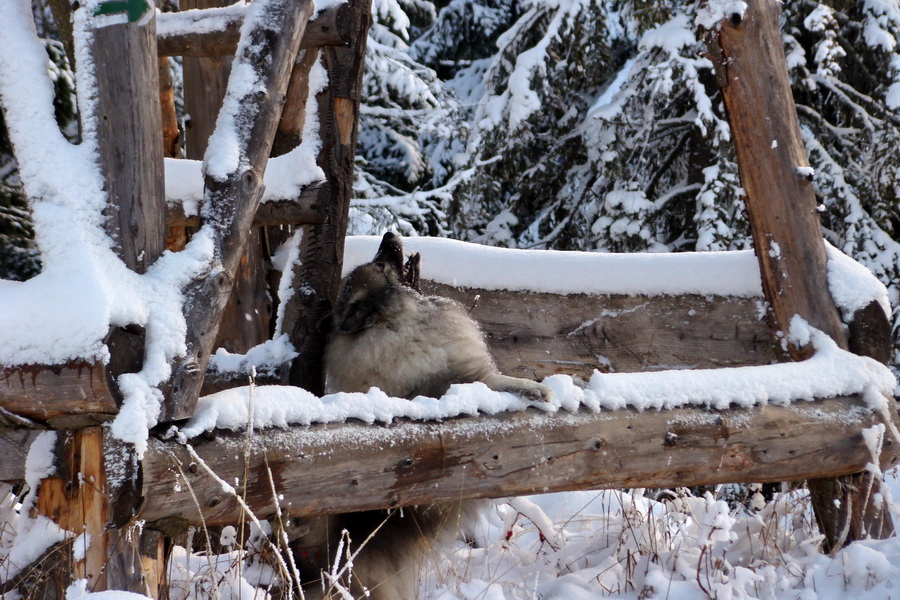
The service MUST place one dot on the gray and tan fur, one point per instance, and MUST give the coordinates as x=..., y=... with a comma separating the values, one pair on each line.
x=388, y=335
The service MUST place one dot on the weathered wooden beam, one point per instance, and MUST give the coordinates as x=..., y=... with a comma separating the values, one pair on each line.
x=781, y=206
x=534, y=335
x=322, y=246
x=129, y=132
x=187, y=33
x=42, y=392
x=290, y=128
x=780, y=201
x=301, y=211
x=348, y=467
x=530, y=335
x=76, y=500
x=231, y=201
x=170, y=132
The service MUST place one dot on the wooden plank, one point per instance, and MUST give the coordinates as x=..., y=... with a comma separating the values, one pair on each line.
x=231, y=203
x=195, y=39
x=170, y=132
x=322, y=246
x=348, y=467
x=14, y=445
x=781, y=207
x=300, y=211
x=534, y=335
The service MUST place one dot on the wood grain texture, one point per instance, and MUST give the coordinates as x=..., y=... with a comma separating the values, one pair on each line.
x=129, y=131
x=205, y=80
x=322, y=246
x=75, y=499
x=230, y=204
x=290, y=128
x=335, y=468
x=534, y=335
x=327, y=30
x=781, y=205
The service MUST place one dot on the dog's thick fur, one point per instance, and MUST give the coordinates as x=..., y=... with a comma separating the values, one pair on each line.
x=388, y=335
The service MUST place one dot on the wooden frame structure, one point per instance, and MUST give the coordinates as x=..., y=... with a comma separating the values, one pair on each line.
x=439, y=461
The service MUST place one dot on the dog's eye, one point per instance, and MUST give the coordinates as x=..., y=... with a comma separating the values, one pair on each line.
x=380, y=265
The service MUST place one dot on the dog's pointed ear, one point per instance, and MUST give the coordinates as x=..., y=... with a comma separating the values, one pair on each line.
x=390, y=252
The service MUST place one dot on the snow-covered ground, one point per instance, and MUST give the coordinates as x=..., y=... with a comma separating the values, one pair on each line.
x=610, y=544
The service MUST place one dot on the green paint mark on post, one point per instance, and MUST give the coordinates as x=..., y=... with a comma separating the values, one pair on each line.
x=133, y=9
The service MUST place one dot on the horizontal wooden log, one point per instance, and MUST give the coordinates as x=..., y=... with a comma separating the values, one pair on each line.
x=76, y=394
x=189, y=35
x=300, y=211
x=42, y=392
x=535, y=335
x=348, y=467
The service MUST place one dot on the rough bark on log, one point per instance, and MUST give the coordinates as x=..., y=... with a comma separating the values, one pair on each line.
x=348, y=467
x=322, y=247
x=230, y=204
x=781, y=206
x=328, y=29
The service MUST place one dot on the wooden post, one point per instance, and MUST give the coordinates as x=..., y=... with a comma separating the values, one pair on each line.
x=749, y=58
x=130, y=134
x=245, y=322
x=322, y=248
x=230, y=203
x=76, y=500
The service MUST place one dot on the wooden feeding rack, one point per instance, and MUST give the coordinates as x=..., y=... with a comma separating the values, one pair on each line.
x=327, y=468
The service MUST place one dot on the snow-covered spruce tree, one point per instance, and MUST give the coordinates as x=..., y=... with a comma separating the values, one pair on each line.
x=600, y=127
x=845, y=66
x=19, y=256
x=411, y=126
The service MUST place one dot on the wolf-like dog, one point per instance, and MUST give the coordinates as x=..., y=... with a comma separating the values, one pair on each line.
x=388, y=335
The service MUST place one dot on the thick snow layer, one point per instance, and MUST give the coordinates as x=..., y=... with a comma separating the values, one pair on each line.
x=707, y=273
x=199, y=21
x=830, y=372
x=711, y=14
x=272, y=352
x=285, y=175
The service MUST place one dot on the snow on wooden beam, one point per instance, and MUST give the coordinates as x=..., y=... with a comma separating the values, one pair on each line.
x=351, y=466
x=300, y=211
x=234, y=179
x=215, y=32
